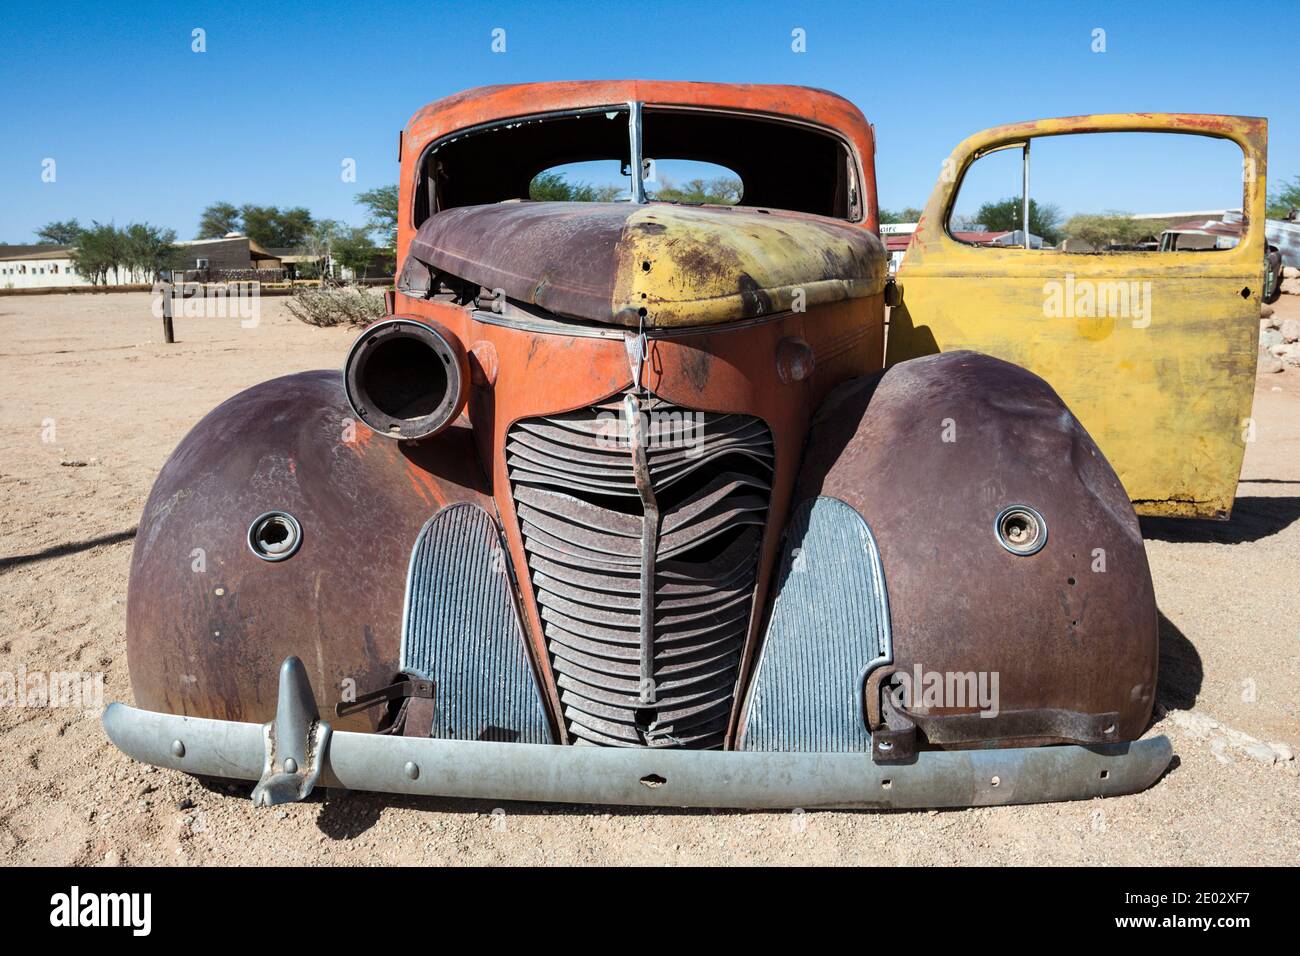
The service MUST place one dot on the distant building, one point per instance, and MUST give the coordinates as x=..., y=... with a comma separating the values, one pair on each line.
x=1202, y=233
x=233, y=256
x=295, y=261
x=197, y=260
x=1223, y=231
x=41, y=267
x=897, y=236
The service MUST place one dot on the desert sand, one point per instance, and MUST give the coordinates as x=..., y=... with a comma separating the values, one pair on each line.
x=92, y=403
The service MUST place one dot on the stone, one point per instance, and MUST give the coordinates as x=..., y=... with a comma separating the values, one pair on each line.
x=1265, y=311
x=1292, y=355
x=1290, y=330
x=1290, y=272
x=1269, y=338
x=1269, y=365
x=1262, y=753
x=1283, y=752
x=1291, y=286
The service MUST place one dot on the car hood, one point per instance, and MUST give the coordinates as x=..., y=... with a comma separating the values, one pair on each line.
x=657, y=264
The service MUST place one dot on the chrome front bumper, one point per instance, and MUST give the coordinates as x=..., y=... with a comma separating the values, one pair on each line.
x=292, y=753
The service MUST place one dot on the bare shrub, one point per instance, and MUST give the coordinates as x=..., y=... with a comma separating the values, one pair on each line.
x=336, y=305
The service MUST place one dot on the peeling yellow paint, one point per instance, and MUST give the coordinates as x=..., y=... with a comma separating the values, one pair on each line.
x=687, y=266
x=1166, y=394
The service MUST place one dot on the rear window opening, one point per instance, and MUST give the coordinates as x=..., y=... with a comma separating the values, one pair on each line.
x=695, y=157
x=684, y=181
x=598, y=181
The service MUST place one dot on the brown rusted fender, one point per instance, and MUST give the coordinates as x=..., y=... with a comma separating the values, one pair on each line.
x=656, y=264
x=929, y=452
x=208, y=622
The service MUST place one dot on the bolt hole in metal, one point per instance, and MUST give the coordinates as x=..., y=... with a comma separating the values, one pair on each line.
x=274, y=536
x=1105, y=774
x=1021, y=530
x=886, y=784
x=1245, y=293
x=653, y=780
x=996, y=781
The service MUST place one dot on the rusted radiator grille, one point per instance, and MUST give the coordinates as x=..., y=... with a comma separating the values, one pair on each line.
x=638, y=497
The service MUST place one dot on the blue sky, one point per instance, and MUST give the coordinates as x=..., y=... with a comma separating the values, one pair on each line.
x=143, y=129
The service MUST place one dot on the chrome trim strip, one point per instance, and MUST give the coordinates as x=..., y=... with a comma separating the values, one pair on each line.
x=559, y=326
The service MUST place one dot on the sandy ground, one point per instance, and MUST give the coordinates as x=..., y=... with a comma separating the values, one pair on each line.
x=92, y=369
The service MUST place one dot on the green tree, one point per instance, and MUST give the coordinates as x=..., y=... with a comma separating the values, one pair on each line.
x=100, y=250
x=721, y=191
x=1284, y=199
x=909, y=214
x=1104, y=230
x=381, y=204
x=219, y=219
x=59, y=233
x=273, y=227
x=147, y=251
x=1007, y=216
x=554, y=187
x=353, y=249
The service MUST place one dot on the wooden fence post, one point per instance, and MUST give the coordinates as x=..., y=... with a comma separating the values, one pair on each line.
x=169, y=335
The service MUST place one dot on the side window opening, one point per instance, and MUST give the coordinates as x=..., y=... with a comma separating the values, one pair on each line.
x=1099, y=193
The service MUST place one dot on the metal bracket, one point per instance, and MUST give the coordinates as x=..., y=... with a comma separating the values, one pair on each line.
x=295, y=741
x=409, y=686
x=895, y=737
x=895, y=742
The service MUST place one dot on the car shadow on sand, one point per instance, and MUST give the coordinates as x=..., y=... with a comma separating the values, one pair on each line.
x=1180, y=674
x=1252, y=519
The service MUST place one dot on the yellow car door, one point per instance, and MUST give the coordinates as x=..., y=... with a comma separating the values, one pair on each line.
x=1154, y=352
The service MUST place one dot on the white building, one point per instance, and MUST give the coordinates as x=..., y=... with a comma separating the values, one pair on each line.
x=40, y=267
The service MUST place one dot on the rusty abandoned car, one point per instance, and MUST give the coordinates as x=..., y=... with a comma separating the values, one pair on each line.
x=634, y=502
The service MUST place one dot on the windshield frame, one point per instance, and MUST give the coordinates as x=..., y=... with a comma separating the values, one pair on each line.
x=857, y=211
